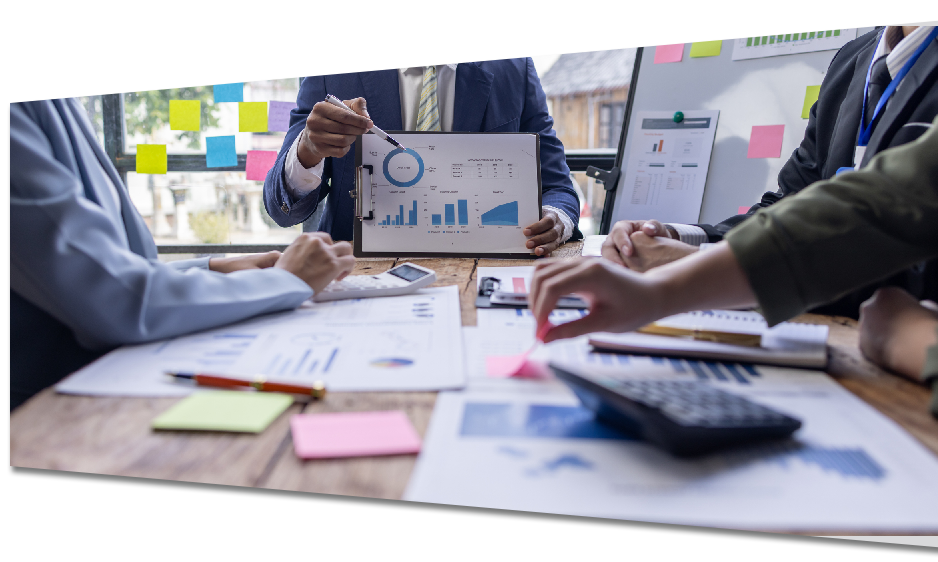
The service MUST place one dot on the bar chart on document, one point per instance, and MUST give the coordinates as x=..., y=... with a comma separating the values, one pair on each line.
x=451, y=192
x=667, y=165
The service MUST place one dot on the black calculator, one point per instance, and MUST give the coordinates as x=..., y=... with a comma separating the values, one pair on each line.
x=686, y=418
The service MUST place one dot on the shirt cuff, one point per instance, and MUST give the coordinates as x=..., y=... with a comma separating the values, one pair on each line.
x=300, y=180
x=689, y=234
x=564, y=219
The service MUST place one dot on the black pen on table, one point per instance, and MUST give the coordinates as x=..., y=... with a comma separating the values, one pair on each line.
x=338, y=103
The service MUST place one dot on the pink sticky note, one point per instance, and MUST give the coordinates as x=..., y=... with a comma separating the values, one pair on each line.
x=353, y=434
x=259, y=163
x=278, y=116
x=766, y=141
x=742, y=210
x=504, y=366
x=669, y=53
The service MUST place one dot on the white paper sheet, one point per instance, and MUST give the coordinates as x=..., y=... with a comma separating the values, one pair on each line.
x=791, y=43
x=410, y=342
x=849, y=468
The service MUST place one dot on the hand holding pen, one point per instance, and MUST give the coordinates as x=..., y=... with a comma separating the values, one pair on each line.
x=332, y=129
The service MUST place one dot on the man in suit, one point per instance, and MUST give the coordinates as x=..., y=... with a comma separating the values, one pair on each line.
x=84, y=273
x=829, y=144
x=492, y=96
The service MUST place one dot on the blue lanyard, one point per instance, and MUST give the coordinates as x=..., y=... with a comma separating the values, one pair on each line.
x=867, y=131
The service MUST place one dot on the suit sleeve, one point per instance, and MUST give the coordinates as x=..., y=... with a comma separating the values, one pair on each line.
x=281, y=206
x=69, y=258
x=557, y=188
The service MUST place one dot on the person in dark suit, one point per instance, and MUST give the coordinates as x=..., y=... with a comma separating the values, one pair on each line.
x=829, y=144
x=491, y=96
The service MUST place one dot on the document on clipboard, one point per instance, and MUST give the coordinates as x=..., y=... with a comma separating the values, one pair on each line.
x=446, y=194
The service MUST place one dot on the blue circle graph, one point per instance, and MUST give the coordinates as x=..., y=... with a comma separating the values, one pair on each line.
x=394, y=153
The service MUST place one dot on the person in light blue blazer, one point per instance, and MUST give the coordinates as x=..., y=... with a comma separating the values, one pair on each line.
x=84, y=273
x=490, y=96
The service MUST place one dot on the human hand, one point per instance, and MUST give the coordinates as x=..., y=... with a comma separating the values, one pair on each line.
x=315, y=259
x=652, y=251
x=331, y=130
x=253, y=261
x=544, y=236
x=618, y=245
x=619, y=299
x=896, y=330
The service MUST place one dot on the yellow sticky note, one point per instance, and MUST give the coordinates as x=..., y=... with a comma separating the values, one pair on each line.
x=184, y=115
x=705, y=49
x=151, y=158
x=170, y=64
x=113, y=64
x=225, y=410
x=252, y=116
x=86, y=65
x=200, y=60
x=810, y=96
x=141, y=64
x=60, y=60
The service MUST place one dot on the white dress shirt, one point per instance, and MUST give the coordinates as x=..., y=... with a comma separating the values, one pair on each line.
x=300, y=180
x=897, y=50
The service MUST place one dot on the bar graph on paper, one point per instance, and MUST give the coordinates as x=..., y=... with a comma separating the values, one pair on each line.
x=791, y=43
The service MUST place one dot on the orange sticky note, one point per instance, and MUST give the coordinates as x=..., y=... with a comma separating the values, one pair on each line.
x=765, y=141
x=252, y=116
x=151, y=159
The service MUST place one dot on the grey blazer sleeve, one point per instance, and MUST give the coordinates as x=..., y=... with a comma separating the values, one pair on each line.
x=70, y=258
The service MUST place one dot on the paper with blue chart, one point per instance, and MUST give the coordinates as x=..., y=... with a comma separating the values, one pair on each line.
x=471, y=193
x=391, y=343
x=848, y=468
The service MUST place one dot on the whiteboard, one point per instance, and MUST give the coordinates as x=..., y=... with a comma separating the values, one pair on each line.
x=761, y=91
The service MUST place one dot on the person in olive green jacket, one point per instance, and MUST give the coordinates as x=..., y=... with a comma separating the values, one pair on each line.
x=803, y=251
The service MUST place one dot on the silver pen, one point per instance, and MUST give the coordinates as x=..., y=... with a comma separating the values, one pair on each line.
x=338, y=103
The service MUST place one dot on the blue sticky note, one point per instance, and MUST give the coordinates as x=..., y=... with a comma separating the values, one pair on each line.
x=371, y=30
x=272, y=48
x=329, y=36
x=220, y=152
x=229, y=92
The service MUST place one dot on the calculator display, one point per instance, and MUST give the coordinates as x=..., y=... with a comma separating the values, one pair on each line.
x=408, y=273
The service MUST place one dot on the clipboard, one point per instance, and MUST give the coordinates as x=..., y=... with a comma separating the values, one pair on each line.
x=478, y=195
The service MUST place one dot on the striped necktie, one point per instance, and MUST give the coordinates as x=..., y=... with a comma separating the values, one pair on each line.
x=428, y=111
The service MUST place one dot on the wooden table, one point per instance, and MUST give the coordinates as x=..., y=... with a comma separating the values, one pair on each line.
x=113, y=435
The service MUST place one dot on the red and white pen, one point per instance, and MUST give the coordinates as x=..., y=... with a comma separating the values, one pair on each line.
x=318, y=390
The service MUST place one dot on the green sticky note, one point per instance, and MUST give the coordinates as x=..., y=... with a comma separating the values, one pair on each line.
x=225, y=410
x=705, y=49
x=151, y=158
x=252, y=116
x=810, y=96
x=184, y=115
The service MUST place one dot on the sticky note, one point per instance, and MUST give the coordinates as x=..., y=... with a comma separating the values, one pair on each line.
x=742, y=210
x=516, y=366
x=329, y=36
x=259, y=163
x=225, y=410
x=252, y=117
x=272, y=48
x=200, y=60
x=113, y=64
x=353, y=434
x=370, y=30
x=220, y=152
x=151, y=158
x=184, y=115
x=61, y=61
x=705, y=49
x=170, y=64
x=669, y=53
x=765, y=141
x=228, y=92
x=278, y=117
x=810, y=96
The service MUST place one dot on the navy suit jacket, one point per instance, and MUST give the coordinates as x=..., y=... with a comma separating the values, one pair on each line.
x=491, y=96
